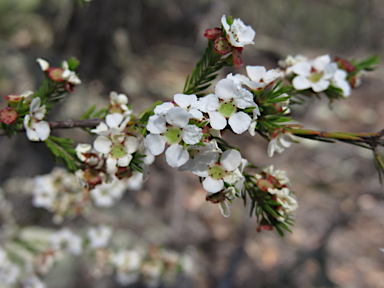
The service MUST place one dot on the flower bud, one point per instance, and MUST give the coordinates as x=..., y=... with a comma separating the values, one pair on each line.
x=236, y=55
x=222, y=46
x=345, y=64
x=13, y=99
x=214, y=33
x=55, y=74
x=8, y=115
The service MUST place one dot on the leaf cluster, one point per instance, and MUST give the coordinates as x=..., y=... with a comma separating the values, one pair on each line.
x=204, y=72
x=62, y=151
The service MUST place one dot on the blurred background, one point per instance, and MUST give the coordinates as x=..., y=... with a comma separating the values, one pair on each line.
x=145, y=49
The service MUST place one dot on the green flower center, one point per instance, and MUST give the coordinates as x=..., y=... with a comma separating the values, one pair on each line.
x=216, y=172
x=227, y=109
x=172, y=135
x=315, y=77
x=118, y=151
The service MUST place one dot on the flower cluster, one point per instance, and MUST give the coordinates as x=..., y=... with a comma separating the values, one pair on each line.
x=275, y=183
x=317, y=74
x=118, y=159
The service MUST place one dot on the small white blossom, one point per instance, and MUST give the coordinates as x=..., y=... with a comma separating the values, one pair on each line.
x=99, y=237
x=279, y=142
x=316, y=74
x=36, y=129
x=339, y=80
x=238, y=34
x=68, y=75
x=65, y=239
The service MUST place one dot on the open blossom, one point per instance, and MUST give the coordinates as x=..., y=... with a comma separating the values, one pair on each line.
x=36, y=129
x=222, y=107
x=279, y=142
x=99, y=236
x=258, y=77
x=119, y=103
x=68, y=75
x=238, y=34
x=316, y=74
x=106, y=194
x=170, y=125
x=117, y=146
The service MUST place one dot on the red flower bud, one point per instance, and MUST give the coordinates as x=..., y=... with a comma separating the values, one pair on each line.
x=8, y=115
x=236, y=55
x=55, y=74
x=13, y=98
x=222, y=46
x=345, y=64
x=212, y=34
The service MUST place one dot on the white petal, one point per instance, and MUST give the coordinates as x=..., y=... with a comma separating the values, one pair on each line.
x=320, y=85
x=230, y=159
x=101, y=129
x=302, y=68
x=196, y=114
x=176, y=155
x=244, y=99
x=330, y=70
x=239, y=122
x=35, y=104
x=114, y=120
x=320, y=62
x=124, y=161
x=155, y=143
x=163, y=108
x=131, y=144
x=217, y=121
x=212, y=185
x=256, y=73
x=271, y=147
x=225, y=89
x=301, y=83
x=43, y=130
x=192, y=134
x=111, y=165
x=102, y=144
x=252, y=127
x=44, y=65
x=184, y=100
x=224, y=209
x=156, y=124
x=207, y=103
x=178, y=116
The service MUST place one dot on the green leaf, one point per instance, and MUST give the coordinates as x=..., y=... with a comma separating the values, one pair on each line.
x=89, y=112
x=73, y=63
x=62, y=151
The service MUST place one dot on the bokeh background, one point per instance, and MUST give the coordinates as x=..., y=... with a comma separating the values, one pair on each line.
x=145, y=49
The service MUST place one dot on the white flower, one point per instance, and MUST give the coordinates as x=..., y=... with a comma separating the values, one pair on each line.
x=170, y=126
x=33, y=282
x=224, y=171
x=105, y=194
x=279, y=142
x=68, y=75
x=290, y=61
x=36, y=130
x=99, y=237
x=315, y=74
x=119, y=104
x=233, y=97
x=238, y=34
x=339, y=80
x=44, y=192
x=65, y=239
x=117, y=146
x=9, y=272
x=127, y=264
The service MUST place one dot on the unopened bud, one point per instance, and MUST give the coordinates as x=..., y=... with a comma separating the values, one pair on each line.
x=222, y=46
x=236, y=55
x=8, y=115
x=55, y=74
x=214, y=33
x=264, y=226
x=345, y=64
